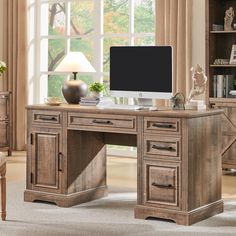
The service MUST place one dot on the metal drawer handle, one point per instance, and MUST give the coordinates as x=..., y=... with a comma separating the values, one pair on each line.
x=106, y=122
x=171, y=149
x=3, y=96
x=60, y=160
x=167, y=126
x=169, y=186
x=52, y=118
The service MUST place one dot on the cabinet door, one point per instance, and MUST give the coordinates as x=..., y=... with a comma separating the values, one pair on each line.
x=46, y=160
x=4, y=136
x=4, y=107
x=229, y=137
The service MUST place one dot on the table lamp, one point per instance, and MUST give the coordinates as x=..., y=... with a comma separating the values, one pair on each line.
x=73, y=89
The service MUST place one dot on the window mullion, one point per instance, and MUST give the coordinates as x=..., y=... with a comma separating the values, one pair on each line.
x=131, y=22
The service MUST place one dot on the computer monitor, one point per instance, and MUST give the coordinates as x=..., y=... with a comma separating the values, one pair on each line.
x=143, y=72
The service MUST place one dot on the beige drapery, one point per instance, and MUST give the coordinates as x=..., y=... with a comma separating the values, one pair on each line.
x=15, y=55
x=174, y=27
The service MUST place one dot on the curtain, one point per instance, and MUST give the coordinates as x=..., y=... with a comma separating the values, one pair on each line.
x=15, y=55
x=174, y=27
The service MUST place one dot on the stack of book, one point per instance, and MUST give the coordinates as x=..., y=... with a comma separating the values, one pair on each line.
x=89, y=101
x=94, y=101
x=222, y=85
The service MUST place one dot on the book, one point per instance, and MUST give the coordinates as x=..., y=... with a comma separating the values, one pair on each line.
x=215, y=86
x=92, y=101
x=229, y=84
x=220, y=86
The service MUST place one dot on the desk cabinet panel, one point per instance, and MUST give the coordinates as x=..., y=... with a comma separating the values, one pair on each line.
x=46, y=159
x=5, y=122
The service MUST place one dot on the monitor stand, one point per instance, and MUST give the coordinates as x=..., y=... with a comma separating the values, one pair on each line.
x=145, y=102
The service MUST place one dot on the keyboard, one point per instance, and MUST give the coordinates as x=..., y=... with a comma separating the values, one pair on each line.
x=120, y=106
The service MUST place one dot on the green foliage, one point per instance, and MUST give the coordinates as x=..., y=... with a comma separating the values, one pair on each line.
x=3, y=67
x=96, y=87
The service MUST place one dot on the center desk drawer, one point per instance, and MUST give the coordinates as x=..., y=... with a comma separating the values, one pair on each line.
x=102, y=122
x=162, y=147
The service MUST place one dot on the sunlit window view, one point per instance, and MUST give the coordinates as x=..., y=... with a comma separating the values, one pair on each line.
x=89, y=26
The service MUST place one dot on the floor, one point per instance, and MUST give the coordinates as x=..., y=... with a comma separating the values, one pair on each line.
x=121, y=172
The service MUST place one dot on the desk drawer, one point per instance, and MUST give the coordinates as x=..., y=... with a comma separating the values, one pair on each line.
x=102, y=122
x=162, y=147
x=46, y=117
x=162, y=184
x=161, y=125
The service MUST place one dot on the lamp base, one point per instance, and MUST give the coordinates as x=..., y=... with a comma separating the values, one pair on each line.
x=73, y=90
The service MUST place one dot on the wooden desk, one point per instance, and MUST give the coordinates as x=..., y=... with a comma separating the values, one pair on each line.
x=178, y=160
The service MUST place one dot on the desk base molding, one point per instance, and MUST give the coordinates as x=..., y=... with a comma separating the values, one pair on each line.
x=180, y=217
x=66, y=200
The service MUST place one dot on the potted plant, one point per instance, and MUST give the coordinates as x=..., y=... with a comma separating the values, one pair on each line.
x=96, y=89
x=3, y=67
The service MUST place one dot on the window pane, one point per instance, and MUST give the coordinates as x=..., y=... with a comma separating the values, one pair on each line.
x=82, y=17
x=108, y=42
x=88, y=79
x=116, y=16
x=144, y=17
x=144, y=41
x=82, y=45
x=54, y=24
x=52, y=51
x=55, y=83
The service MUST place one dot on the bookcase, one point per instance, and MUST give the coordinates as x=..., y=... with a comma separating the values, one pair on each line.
x=221, y=73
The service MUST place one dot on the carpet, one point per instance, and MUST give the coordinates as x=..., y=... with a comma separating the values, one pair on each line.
x=109, y=216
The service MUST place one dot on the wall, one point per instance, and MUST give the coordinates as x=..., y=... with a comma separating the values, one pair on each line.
x=198, y=34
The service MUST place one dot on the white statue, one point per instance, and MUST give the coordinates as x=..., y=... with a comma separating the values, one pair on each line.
x=199, y=82
x=229, y=16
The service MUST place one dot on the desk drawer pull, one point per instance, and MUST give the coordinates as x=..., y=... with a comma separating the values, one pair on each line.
x=48, y=118
x=3, y=96
x=169, y=186
x=171, y=149
x=167, y=126
x=106, y=122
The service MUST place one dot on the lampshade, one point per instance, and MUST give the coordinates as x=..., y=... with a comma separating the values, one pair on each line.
x=74, y=62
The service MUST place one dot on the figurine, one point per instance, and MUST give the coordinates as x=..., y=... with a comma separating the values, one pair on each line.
x=178, y=101
x=199, y=82
x=229, y=16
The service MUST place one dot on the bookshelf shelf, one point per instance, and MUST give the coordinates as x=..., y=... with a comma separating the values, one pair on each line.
x=223, y=100
x=232, y=66
x=223, y=32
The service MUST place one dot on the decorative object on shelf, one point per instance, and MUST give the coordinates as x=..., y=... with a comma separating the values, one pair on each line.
x=233, y=55
x=216, y=27
x=178, y=101
x=96, y=89
x=229, y=17
x=219, y=61
x=3, y=67
x=199, y=81
x=74, y=62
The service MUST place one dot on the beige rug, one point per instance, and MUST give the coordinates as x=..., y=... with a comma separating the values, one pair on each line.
x=110, y=216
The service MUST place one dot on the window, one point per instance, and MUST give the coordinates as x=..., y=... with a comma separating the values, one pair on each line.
x=90, y=26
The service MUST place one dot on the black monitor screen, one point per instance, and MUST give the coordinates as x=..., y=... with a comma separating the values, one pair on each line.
x=141, y=68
